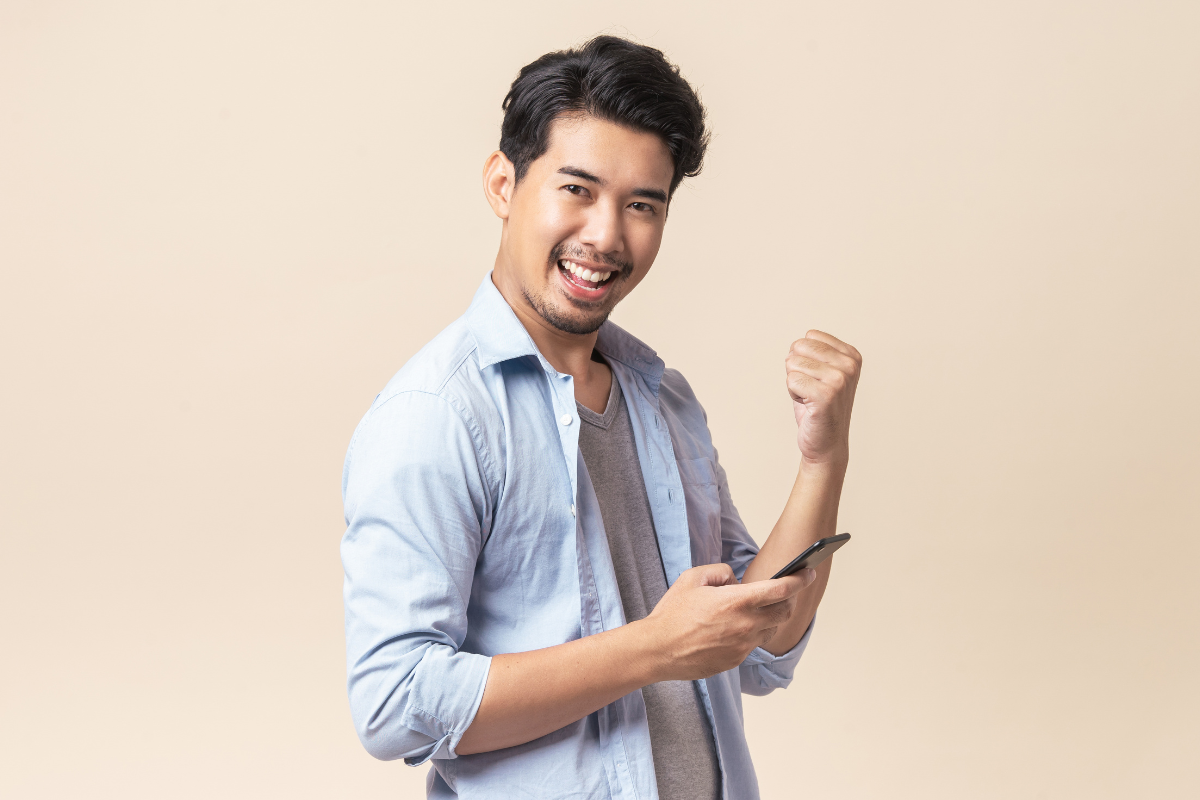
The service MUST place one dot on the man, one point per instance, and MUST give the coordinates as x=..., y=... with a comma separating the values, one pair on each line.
x=548, y=590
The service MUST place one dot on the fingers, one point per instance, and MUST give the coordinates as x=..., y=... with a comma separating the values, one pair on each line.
x=769, y=618
x=843, y=357
x=767, y=593
x=822, y=356
x=805, y=387
x=776, y=614
x=803, y=579
x=820, y=371
x=806, y=577
x=709, y=575
x=835, y=343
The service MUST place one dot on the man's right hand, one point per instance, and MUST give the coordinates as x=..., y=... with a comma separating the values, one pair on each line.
x=708, y=623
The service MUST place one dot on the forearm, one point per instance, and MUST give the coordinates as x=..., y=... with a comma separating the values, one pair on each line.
x=810, y=514
x=531, y=694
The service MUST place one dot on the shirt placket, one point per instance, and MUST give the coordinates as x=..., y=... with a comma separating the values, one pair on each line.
x=566, y=419
x=670, y=507
x=562, y=392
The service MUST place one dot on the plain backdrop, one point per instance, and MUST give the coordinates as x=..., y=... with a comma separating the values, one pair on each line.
x=225, y=225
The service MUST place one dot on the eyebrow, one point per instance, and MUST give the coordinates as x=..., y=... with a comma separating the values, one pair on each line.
x=651, y=194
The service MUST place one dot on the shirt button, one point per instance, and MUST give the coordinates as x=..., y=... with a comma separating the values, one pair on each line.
x=572, y=509
x=565, y=419
x=671, y=495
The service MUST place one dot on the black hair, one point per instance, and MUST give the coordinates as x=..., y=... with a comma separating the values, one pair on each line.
x=613, y=79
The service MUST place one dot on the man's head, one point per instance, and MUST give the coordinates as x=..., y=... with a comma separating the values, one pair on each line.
x=594, y=143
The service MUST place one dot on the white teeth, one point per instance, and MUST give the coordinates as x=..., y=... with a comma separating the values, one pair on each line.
x=583, y=273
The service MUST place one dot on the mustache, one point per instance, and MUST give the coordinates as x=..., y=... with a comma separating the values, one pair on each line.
x=562, y=251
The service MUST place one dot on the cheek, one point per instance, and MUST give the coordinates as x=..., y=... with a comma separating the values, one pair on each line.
x=553, y=218
x=539, y=224
x=643, y=247
x=644, y=241
x=555, y=225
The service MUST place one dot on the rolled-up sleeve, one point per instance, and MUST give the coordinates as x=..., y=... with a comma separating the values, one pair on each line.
x=418, y=502
x=761, y=673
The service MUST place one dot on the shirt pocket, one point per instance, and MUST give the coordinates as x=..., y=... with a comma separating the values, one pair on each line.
x=703, y=509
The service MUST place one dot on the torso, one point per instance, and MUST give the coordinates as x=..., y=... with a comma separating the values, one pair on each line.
x=685, y=762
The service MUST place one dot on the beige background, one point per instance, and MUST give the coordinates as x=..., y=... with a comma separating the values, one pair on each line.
x=223, y=226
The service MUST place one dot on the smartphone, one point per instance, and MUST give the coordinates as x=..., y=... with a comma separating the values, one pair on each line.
x=820, y=550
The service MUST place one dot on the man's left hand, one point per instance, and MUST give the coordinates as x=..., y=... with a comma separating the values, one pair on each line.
x=822, y=375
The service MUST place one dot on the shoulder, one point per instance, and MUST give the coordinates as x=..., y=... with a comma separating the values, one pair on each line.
x=686, y=418
x=676, y=399
x=438, y=391
x=447, y=372
x=675, y=389
x=676, y=394
x=434, y=368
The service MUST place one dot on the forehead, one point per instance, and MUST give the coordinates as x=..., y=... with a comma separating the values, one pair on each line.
x=622, y=156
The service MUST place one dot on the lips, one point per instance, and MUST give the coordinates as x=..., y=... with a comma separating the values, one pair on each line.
x=583, y=277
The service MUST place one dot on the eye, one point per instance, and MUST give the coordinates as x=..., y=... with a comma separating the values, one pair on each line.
x=643, y=207
x=576, y=189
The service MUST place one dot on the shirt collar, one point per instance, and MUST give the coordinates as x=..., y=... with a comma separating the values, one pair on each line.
x=500, y=336
x=617, y=344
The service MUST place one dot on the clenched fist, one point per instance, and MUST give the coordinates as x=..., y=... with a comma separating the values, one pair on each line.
x=822, y=374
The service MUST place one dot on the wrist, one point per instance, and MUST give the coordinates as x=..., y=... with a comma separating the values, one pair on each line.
x=646, y=658
x=831, y=464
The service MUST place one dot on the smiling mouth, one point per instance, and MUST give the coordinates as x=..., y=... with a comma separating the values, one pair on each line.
x=584, y=278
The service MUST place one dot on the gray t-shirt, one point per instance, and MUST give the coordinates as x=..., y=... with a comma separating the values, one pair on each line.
x=685, y=761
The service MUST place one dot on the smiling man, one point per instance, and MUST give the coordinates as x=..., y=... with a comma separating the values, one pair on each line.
x=548, y=589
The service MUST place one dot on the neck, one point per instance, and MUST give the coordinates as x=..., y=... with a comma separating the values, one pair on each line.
x=567, y=352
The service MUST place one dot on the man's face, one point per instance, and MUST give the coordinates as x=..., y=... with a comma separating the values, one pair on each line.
x=586, y=221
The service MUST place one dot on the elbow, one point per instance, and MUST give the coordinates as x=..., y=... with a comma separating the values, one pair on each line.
x=389, y=741
x=379, y=746
x=414, y=706
x=757, y=690
x=757, y=681
x=379, y=736
x=390, y=729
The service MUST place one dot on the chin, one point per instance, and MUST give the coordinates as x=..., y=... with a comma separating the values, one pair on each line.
x=569, y=318
x=576, y=323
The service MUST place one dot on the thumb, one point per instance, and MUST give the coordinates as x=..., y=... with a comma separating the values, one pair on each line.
x=710, y=575
x=806, y=576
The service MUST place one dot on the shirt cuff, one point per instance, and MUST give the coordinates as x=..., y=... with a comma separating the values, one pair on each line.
x=456, y=699
x=761, y=655
x=763, y=672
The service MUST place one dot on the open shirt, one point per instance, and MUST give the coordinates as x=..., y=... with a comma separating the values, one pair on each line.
x=472, y=531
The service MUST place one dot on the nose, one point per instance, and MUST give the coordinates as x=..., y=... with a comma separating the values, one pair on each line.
x=604, y=229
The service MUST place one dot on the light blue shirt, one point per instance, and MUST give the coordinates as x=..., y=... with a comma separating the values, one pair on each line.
x=472, y=531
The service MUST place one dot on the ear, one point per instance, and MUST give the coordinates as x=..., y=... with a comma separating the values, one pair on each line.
x=499, y=181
